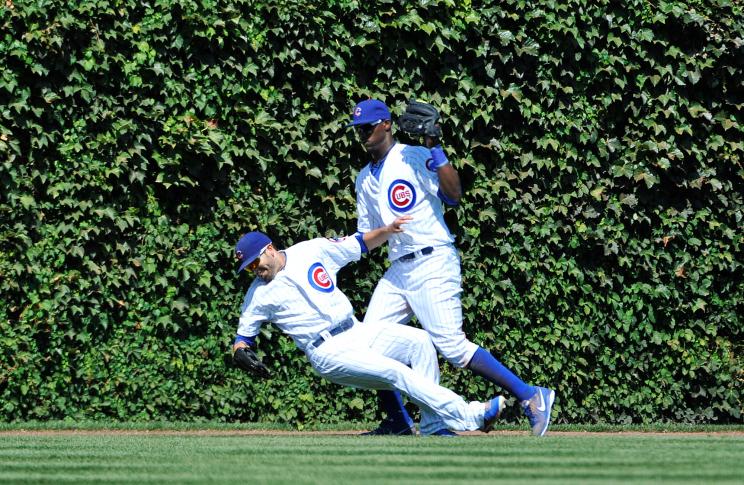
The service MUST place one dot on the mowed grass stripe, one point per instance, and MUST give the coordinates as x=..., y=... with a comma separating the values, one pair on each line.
x=386, y=475
x=351, y=459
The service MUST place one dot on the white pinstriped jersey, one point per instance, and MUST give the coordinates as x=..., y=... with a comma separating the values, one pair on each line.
x=404, y=186
x=302, y=300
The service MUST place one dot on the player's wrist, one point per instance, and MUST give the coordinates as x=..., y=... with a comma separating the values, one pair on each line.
x=438, y=158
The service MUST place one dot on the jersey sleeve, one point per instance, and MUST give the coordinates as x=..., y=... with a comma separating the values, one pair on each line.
x=340, y=252
x=427, y=179
x=364, y=222
x=253, y=313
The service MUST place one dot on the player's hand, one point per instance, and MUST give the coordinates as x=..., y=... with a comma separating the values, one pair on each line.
x=376, y=237
x=245, y=359
x=432, y=141
x=397, y=224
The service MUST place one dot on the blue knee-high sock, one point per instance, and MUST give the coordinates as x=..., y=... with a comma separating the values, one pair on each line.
x=484, y=364
x=392, y=404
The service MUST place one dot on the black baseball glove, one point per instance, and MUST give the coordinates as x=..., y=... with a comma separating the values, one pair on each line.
x=420, y=119
x=247, y=360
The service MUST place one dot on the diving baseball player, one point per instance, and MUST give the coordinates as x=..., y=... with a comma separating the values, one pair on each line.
x=424, y=275
x=296, y=290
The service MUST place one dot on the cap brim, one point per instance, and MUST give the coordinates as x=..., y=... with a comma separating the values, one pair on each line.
x=365, y=122
x=243, y=265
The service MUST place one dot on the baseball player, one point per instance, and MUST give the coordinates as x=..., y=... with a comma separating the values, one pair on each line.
x=424, y=275
x=296, y=290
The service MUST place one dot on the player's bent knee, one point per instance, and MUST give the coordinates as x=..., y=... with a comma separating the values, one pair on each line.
x=423, y=342
x=392, y=377
x=456, y=360
x=458, y=353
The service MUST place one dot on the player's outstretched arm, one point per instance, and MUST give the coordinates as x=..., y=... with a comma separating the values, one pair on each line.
x=377, y=237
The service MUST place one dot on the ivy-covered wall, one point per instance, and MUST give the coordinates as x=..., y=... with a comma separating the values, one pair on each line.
x=600, y=145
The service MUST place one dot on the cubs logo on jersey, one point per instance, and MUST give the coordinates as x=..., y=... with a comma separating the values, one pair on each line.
x=337, y=239
x=401, y=195
x=319, y=278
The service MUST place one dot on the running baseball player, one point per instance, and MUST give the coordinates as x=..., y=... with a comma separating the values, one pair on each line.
x=424, y=275
x=296, y=290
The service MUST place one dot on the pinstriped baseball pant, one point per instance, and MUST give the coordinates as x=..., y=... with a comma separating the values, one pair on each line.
x=428, y=286
x=390, y=356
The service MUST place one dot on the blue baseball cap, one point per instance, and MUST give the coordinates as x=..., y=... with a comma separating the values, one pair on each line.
x=369, y=111
x=250, y=247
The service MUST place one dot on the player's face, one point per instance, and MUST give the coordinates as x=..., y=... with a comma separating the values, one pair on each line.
x=372, y=135
x=267, y=265
x=254, y=264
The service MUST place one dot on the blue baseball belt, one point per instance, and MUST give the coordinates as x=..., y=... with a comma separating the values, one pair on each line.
x=333, y=331
x=413, y=255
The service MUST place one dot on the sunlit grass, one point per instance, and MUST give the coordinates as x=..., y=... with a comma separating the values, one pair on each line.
x=115, y=457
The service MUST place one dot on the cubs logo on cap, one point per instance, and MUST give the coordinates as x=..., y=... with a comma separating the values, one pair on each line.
x=401, y=195
x=319, y=278
x=369, y=111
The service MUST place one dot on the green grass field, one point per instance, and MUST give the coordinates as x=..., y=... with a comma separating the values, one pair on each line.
x=219, y=456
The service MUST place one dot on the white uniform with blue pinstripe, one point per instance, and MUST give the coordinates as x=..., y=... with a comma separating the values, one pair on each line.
x=304, y=302
x=428, y=285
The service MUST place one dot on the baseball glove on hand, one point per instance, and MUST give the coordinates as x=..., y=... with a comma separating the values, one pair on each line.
x=246, y=359
x=420, y=119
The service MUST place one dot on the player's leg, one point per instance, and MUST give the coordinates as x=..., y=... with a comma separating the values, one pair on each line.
x=413, y=348
x=433, y=288
x=536, y=402
x=347, y=360
x=388, y=302
x=436, y=303
x=388, y=305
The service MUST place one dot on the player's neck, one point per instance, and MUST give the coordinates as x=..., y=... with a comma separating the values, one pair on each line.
x=380, y=152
